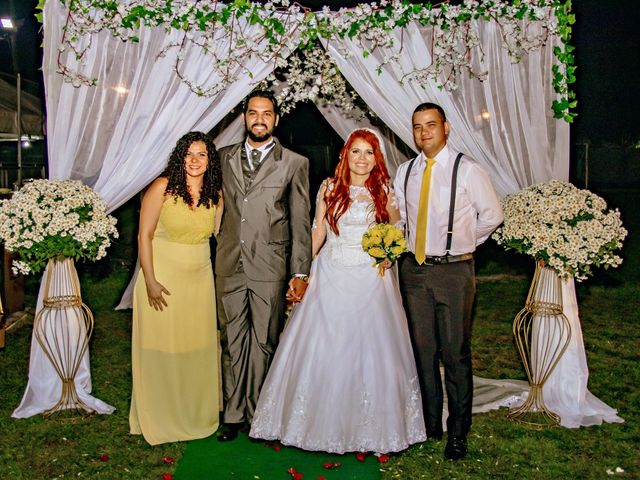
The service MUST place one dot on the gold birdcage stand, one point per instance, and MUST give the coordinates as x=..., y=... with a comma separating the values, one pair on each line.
x=542, y=333
x=63, y=327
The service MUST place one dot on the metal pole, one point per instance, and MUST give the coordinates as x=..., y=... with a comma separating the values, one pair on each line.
x=586, y=165
x=19, y=128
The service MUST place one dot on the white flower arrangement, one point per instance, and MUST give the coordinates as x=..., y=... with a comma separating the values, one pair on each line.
x=47, y=219
x=570, y=229
x=312, y=76
x=279, y=27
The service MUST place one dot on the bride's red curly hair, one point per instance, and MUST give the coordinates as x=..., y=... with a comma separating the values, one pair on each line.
x=337, y=199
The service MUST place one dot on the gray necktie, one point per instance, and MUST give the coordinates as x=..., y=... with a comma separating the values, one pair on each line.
x=255, y=158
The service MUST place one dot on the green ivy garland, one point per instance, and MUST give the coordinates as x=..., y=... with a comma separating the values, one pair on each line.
x=283, y=27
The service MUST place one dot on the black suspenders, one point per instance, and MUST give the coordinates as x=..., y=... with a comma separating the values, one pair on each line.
x=452, y=201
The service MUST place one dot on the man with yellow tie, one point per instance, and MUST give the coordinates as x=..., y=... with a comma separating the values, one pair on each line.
x=437, y=278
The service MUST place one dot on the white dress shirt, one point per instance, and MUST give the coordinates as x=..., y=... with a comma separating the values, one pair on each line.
x=477, y=211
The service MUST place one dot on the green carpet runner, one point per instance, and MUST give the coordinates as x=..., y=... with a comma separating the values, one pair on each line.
x=208, y=459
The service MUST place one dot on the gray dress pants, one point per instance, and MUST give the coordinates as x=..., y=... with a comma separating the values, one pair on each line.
x=250, y=316
x=439, y=300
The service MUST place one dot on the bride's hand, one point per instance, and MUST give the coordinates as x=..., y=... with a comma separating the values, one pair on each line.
x=154, y=291
x=386, y=264
x=297, y=288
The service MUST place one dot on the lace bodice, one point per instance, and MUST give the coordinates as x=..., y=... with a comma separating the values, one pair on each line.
x=346, y=248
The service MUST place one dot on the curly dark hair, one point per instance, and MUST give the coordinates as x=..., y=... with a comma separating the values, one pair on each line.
x=175, y=171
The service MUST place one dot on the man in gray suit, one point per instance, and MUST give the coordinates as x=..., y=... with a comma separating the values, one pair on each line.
x=263, y=254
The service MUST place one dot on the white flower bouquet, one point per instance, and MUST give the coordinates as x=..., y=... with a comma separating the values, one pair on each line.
x=570, y=229
x=47, y=219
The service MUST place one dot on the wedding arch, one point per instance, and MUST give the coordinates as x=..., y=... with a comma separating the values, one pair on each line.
x=124, y=80
x=154, y=69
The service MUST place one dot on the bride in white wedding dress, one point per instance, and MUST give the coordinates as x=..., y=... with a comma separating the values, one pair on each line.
x=343, y=378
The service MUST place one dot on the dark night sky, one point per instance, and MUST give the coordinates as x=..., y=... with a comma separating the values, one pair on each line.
x=606, y=35
x=607, y=40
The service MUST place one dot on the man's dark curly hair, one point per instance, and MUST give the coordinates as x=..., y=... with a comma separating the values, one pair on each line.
x=175, y=171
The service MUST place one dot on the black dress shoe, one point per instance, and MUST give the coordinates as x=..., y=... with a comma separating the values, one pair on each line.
x=456, y=448
x=228, y=432
x=434, y=434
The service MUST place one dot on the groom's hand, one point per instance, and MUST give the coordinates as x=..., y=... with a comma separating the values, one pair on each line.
x=297, y=287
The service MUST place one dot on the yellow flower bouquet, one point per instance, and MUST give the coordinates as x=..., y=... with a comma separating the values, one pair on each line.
x=384, y=242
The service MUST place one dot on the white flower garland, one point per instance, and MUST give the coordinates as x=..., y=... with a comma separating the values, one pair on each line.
x=312, y=76
x=46, y=219
x=271, y=31
x=569, y=228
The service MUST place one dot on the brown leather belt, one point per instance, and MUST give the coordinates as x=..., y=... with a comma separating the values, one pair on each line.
x=444, y=259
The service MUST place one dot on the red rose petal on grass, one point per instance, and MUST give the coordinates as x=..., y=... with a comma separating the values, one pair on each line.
x=168, y=460
x=277, y=448
x=297, y=476
x=330, y=465
x=383, y=458
x=321, y=478
x=361, y=456
x=104, y=458
x=167, y=476
x=292, y=470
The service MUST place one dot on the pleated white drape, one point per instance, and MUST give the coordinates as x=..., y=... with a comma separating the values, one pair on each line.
x=506, y=124
x=117, y=136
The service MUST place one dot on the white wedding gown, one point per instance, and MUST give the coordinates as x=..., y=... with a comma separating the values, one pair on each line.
x=343, y=378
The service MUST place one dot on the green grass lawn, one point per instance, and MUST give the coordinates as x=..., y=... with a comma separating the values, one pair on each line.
x=499, y=448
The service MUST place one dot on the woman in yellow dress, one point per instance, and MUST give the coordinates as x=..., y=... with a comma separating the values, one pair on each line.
x=174, y=339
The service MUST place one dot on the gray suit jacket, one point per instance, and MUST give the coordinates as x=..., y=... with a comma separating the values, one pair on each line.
x=268, y=224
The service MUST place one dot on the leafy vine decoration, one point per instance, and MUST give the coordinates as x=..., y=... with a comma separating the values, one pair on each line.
x=272, y=30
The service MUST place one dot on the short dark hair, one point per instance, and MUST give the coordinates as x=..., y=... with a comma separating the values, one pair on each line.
x=261, y=94
x=431, y=106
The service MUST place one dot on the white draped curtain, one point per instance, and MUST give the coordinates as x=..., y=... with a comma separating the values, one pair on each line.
x=506, y=123
x=117, y=136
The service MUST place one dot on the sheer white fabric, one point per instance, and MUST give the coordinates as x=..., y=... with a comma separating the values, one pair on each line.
x=44, y=386
x=116, y=136
x=517, y=140
x=565, y=392
x=351, y=318
x=506, y=124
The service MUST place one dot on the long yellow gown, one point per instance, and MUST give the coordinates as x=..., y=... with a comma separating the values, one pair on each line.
x=175, y=351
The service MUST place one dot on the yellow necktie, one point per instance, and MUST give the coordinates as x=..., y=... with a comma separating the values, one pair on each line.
x=423, y=210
